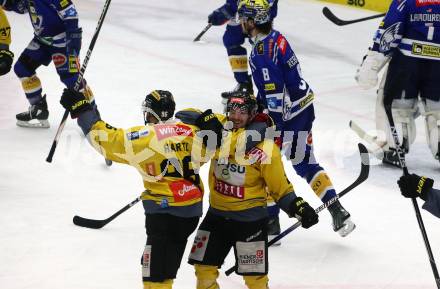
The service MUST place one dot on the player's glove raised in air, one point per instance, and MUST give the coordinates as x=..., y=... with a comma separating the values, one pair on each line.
x=367, y=74
x=301, y=210
x=208, y=121
x=413, y=186
x=75, y=102
x=6, y=59
x=220, y=15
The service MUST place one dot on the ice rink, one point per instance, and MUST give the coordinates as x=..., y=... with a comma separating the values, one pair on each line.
x=146, y=45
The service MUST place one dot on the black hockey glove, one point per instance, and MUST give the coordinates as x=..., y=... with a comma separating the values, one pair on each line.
x=208, y=121
x=6, y=59
x=301, y=210
x=75, y=102
x=413, y=186
x=221, y=15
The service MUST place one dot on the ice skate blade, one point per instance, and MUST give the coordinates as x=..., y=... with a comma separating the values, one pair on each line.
x=30, y=124
x=348, y=227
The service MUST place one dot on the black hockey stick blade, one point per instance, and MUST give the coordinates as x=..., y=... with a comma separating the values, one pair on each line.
x=203, y=32
x=363, y=175
x=98, y=224
x=333, y=18
x=89, y=223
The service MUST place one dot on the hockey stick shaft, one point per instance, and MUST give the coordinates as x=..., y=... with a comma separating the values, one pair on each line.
x=98, y=224
x=203, y=32
x=363, y=175
x=79, y=80
x=401, y=155
x=333, y=18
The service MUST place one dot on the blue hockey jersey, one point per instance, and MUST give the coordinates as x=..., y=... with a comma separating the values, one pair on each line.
x=413, y=27
x=51, y=19
x=281, y=88
x=432, y=204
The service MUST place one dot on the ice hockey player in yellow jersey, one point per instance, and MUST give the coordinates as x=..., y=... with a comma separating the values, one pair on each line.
x=6, y=56
x=162, y=153
x=237, y=215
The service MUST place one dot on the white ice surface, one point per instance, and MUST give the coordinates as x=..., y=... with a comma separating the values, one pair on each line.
x=147, y=45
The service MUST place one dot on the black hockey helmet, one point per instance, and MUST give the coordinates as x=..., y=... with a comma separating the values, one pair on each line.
x=160, y=104
x=244, y=101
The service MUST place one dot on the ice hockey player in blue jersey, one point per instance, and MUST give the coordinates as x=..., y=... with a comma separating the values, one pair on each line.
x=289, y=101
x=413, y=186
x=57, y=39
x=409, y=39
x=233, y=40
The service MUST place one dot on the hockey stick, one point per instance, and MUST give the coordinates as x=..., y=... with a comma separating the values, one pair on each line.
x=203, y=32
x=378, y=152
x=98, y=224
x=333, y=18
x=400, y=153
x=363, y=175
x=79, y=80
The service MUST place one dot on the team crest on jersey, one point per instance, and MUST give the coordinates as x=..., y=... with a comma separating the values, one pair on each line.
x=164, y=131
x=59, y=59
x=388, y=37
x=260, y=48
x=420, y=3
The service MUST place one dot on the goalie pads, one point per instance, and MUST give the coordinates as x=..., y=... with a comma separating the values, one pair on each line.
x=432, y=125
x=367, y=73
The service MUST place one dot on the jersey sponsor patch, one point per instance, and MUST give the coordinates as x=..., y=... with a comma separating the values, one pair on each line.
x=64, y=3
x=134, y=135
x=269, y=86
x=425, y=50
x=282, y=44
x=256, y=155
x=198, y=248
x=229, y=190
x=251, y=257
x=184, y=190
x=164, y=131
x=420, y=3
x=292, y=62
x=59, y=59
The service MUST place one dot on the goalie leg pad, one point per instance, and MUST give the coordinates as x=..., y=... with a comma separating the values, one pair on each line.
x=432, y=125
x=404, y=113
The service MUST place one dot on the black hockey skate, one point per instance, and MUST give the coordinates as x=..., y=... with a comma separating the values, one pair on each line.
x=35, y=117
x=390, y=157
x=243, y=86
x=341, y=219
x=273, y=229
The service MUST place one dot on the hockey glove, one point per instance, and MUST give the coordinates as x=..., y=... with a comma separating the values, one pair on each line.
x=73, y=39
x=366, y=74
x=208, y=121
x=221, y=15
x=6, y=59
x=413, y=186
x=75, y=102
x=301, y=210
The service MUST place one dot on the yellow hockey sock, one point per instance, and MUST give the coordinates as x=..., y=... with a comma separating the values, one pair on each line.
x=167, y=284
x=206, y=276
x=257, y=282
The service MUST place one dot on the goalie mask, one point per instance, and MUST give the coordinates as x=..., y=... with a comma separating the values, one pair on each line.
x=158, y=104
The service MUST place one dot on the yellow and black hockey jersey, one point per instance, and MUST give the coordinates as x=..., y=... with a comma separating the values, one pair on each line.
x=167, y=156
x=239, y=180
x=5, y=30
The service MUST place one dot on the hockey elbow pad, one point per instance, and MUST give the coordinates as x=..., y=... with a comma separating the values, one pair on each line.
x=367, y=74
x=301, y=210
